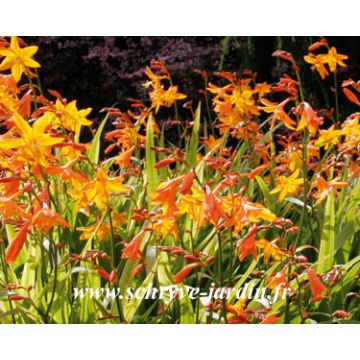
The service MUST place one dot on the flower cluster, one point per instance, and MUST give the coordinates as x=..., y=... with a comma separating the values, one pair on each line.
x=270, y=197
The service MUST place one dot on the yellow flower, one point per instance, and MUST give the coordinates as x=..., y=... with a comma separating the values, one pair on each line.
x=317, y=64
x=192, y=205
x=70, y=117
x=33, y=142
x=166, y=227
x=211, y=143
x=101, y=231
x=332, y=58
x=98, y=191
x=328, y=137
x=351, y=130
x=18, y=59
x=159, y=96
x=270, y=250
x=287, y=185
x=243, y=212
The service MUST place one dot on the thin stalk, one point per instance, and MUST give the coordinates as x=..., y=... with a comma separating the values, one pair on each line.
x=117, y=300
x=53, y=252
x=221, y=277
x=336, y=97
x=6, y=275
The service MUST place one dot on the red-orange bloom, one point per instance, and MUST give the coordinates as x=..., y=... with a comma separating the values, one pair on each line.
x=184, y=272
x=132, y=250
x=212, y=208
x=45, y=219
x=163, y=163
x=316, y=286
x=187, y=183
x=271, y=319
x=17, y=244
x=279, y=279
x=124, y=158
x=351, y=96
x=247, y=247
x=166, y=196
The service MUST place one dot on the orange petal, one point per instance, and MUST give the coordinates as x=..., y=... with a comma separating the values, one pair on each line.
x=17, y=244
x=184, y=272
x=351, y=96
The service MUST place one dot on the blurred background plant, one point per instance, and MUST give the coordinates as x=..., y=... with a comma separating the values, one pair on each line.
x=105, y=70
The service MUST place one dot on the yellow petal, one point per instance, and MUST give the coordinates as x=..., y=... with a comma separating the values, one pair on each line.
x=29, y=51
x=6, y=64
x=47, y=140
x=16, y=72
x=23, y=127
x=6, y=52
x=40, y=125
x=11, y=143
x=31, y=63
x=14, y=45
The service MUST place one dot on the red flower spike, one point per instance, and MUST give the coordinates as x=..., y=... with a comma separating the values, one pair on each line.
x=162, y=163
x=17, y=244
x=187, y=183
x=316, y=286
x=351, y=96
x=132, y=250
x=184, y=272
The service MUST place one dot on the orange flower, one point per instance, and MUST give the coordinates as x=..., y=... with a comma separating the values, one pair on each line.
x=279, y=279
x=235, y=314
x=166, y=227
x=45, y=219
x=326, y=187
x=278, y=111
x=309, y=119
x=68, y=116
x=316, y=286
x=351, y=96
x=33, y=143
x=16, y=244
x=101, y=231
x=184, y=272
x=212, y=207
x=124, y=158
x=247, y=247
x=165, y=195
x=192, y=205
x=132, y=250
x=211, y=143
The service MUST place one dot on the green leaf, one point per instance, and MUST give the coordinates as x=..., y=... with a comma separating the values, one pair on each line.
x=242, y=280
x=269, y=199
x=327, y=243
x=347, y=232
x=94, y=150
x=187, y=315
x=194, y=141
x=134, y=303
x=151, y=173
